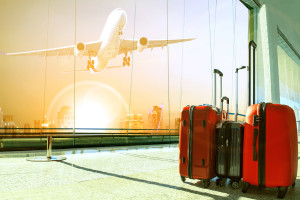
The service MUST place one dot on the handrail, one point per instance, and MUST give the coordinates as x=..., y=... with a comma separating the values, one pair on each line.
x=82, y=132
x=125, y=129
x=71, y=135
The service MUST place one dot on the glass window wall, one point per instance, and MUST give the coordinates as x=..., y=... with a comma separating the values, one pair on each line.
x=114, y=67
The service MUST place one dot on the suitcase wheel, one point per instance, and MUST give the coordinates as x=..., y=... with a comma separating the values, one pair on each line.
x=182, y=178
x=221, y=182
x=281, y=192
x=205, y=183
x=245, y=187
x=234, y=184
x=294, y=184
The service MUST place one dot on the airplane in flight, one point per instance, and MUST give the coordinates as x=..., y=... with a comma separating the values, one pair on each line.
x=107, y=47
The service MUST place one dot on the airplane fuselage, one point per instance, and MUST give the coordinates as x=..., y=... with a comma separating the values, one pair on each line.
x=110, y=39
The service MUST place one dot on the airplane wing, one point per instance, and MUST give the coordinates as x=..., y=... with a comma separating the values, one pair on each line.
x=129, y=45
x=91, y=49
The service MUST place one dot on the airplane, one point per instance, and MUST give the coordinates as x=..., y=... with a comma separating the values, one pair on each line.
x=107, y=47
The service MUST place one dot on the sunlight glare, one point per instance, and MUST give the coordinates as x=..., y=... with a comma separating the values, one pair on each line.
x=91, y=114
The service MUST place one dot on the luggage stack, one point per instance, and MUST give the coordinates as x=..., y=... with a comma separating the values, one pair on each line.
x=263, y=151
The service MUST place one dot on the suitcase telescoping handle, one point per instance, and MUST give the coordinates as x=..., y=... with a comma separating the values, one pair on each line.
x=253, y=45
x=236, y=92
x=227, y=99
x=216, y=71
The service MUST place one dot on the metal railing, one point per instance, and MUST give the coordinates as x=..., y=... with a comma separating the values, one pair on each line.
x=50, y=133
x=81, y=132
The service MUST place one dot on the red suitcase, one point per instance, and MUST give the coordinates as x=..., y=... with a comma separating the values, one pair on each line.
x=197, y=140
x=270, y=156
x=197, y=148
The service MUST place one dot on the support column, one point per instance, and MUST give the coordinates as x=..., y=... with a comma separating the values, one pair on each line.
x=268, y=34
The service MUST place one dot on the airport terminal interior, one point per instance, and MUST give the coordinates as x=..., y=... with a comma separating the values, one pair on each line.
x=92, y=91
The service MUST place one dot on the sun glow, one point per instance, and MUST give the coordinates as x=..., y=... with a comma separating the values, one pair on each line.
x=91, y=114
x=97, y=105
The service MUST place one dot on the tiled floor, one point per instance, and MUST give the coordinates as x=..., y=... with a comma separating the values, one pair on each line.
x=143, y=172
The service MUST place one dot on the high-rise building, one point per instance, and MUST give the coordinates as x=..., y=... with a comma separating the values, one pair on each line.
x=133, y=121
x=8, y=118
x=37, y=124
x=65, y=117
x=155, y=117
x=26, y=125
x=48, y=123
x=8, y=121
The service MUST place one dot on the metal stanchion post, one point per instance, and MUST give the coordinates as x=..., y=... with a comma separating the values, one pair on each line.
x=49, y=157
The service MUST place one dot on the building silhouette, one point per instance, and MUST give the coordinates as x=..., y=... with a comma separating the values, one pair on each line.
x=37, y=124
x=65, y=117
x=8, y=121
x=155, y=117
x=26, y=125
x=133, y=121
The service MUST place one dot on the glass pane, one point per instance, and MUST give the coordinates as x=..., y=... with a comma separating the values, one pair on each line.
x=102, y=94
x=115, y=83
x=221, y=42
x=23, y=77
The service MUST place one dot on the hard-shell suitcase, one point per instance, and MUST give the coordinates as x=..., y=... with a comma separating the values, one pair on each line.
x=197, y=143
x=270, y=157
x=229, y=141
x=197, y=148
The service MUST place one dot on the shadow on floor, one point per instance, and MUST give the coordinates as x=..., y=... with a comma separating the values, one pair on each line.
x=142, y=181
x=253, y=191
x=150, y=157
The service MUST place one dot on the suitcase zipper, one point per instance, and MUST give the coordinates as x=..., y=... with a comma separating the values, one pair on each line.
x=190, y=150
x=262, y=144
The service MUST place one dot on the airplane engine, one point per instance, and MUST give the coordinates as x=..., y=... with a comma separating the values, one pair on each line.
x=80, y=47
x=142, y=44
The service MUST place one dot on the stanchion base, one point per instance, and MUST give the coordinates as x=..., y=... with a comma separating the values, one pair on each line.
x=45, y=159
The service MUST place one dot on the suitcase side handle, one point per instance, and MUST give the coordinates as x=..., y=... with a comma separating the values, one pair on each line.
x=255, y=134
x=222, y=113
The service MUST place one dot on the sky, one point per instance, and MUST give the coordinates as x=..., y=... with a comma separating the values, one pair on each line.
x=33, y=86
